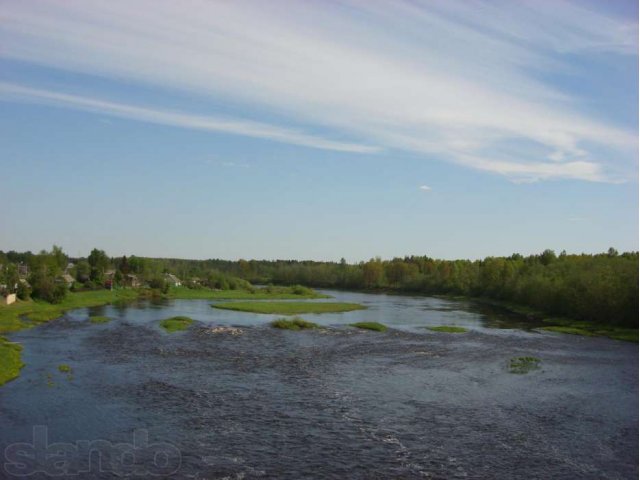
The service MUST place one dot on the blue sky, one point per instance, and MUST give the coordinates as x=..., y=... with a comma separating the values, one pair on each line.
x=319, y=130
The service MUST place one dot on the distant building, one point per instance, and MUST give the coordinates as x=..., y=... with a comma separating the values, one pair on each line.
x=23, y=270
x=68, y=279
x=172, y=280
x=131, y=280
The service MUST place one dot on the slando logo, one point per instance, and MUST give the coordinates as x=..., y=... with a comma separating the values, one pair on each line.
x=96, y=456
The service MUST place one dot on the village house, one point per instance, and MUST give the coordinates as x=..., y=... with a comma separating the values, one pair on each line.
x=172, y=280
x=67, y=279
x=131, y=280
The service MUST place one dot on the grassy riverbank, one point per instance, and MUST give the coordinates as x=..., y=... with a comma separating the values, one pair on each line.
x=587, y=329
x=555, y=324
x=289, y=308
x=10, y=361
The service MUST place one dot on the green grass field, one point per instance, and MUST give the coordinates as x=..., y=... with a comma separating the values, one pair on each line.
x=176, y=324
x=288, y=308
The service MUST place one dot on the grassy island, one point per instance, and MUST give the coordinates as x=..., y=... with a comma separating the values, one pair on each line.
x=295, y=323
x=288, y=308
x=521, y=365
x=448, y=329
x=375, y=326
x=266, y=293
x=176, y=324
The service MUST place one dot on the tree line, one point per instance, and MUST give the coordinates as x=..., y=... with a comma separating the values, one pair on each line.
x=599, y=288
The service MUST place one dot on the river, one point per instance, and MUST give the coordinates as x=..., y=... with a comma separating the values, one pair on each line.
x=329, y=403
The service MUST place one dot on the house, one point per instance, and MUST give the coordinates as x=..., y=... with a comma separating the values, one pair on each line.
x=23, y=270
x=67, y=279
x=172, y=280
x=131, y=280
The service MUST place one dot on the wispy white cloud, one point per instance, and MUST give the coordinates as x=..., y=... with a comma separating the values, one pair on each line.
x=177, y=119
x=449, y=80
x=425, y=188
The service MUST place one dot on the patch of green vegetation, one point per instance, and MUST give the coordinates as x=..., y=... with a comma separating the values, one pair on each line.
x=267, y=293
x=588, y=329
x=378, y=327
x=288, y=308
x=448, y=329
x=99, y=319
x=10, y=362
x=176, y=324
x=295, y=323
x=64, y=368
x=522, y=365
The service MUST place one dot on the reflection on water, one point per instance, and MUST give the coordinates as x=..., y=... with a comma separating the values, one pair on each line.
x=335, y=403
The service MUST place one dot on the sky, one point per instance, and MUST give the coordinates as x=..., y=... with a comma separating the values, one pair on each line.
x=319, y=129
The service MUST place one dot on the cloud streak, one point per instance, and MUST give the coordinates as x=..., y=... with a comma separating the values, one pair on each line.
x=456, y=81
x=176, y=119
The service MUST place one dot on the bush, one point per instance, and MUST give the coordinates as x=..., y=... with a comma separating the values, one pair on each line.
x=24, y=291
x=300, y=290
x=158, y=283
x=46, y=288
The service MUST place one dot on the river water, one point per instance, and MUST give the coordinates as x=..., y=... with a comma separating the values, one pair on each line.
x=330, y=403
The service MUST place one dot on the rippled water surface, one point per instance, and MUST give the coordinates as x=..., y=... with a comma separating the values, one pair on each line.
x=329, y=403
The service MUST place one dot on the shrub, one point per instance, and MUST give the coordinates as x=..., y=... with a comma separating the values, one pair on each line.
x=24, y=291
x=46, y=288
x=158, y=283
